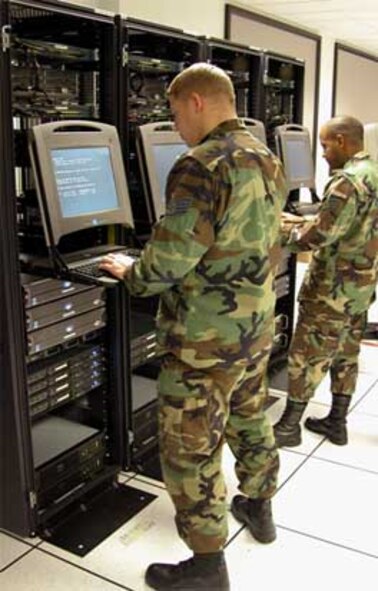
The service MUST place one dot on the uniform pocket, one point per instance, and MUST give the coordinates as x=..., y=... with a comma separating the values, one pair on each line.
x=188, y=426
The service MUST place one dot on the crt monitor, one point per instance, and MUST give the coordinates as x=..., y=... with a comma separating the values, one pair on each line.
x=158, y=147
x=80, y=178
x=256, y=127
x=294, y=149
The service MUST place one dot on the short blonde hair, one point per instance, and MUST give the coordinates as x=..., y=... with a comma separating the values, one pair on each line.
x=206, y=79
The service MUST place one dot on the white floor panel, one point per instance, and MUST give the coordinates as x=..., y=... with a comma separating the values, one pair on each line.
x=124, y=556
x=40, y=572
x=148, y=537
x=10, y=550
x=368, y=358
x=297, y=563
x=369, y=404
x=333, y=502
x=362, y=448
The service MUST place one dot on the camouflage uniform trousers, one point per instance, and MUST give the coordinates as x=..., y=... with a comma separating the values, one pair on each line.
x=200, y=409
x=324, y=342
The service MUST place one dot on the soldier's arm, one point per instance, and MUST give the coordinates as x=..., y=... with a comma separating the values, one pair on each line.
x=182, y=236
x=334, y=219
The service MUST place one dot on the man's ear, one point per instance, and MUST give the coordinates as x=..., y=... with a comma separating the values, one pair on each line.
x=340, y=138
x=198, y=101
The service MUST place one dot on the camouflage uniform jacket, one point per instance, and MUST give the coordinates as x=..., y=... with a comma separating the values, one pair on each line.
x=343, y=272
x=212, y=255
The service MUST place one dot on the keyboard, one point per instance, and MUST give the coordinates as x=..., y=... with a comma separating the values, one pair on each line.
x=88, y=269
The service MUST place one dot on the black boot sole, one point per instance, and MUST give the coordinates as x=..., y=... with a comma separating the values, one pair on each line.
x=320, y=429
x=185, y=582
x=290, y=440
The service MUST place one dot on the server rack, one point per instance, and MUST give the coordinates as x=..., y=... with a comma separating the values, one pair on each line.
x=64, y=346
x=152, y=55
x=244, y=65
x=282, y=102
x=16, y=464
x=281, y=92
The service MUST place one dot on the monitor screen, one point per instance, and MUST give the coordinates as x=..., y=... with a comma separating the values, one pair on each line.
x=165, y=156
x=80, y=177
x=159, y=145
x=84, y=180
x=294, y=149
x=299, y=160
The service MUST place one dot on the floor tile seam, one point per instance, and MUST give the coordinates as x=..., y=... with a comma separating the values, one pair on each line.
x=306, y=458
x=312, y=455
x=292, y=474
x=18, y=559
x=361, y=413
x=126, y=477
x=327, y=541
x=362, y=397
x=356, y=468
x=20, y=539
x=83, y=569
x=234, y=536
x=149, y=483
x=306, y=535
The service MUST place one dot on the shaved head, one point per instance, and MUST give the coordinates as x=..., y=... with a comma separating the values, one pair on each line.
x=341, y=138
x=349, y=127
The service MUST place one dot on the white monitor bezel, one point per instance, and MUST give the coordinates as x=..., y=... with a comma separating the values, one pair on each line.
x=150, y=135
x=284, y=134
x=75, y=134
x=256, y=127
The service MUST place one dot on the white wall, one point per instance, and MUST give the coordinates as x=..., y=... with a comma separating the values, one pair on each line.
x=108, y=5
x=324, y=106
x=204, y=17
x=364, y=79
x=200, y=17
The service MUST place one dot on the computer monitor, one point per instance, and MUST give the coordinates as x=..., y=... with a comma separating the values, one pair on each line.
x=294, y=149
x=256, y=127
x=158, y=147
x=80, y=178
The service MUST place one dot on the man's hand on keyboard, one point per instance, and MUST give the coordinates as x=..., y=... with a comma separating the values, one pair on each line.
x=117, y=264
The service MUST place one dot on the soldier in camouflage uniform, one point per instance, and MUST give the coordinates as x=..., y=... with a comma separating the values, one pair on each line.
x=338, y=287
x=212, y=257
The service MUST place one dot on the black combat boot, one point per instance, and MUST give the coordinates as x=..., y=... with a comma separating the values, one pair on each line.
x=203, y=571
x=288, y=430
x=333, y=426
x=256, y=514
